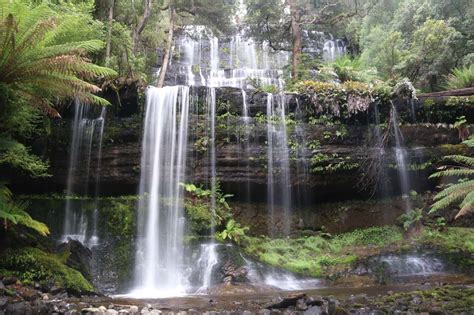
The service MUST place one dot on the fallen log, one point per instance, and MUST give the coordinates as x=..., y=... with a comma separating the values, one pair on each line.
x=458, y=92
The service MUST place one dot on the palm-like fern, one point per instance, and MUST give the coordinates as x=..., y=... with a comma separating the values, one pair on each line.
x=15, y=212
x=348, y=69
x=462, y=192
x=36, y=68
x=460, y=78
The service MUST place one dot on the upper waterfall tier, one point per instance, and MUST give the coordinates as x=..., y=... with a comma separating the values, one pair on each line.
x=202, y=60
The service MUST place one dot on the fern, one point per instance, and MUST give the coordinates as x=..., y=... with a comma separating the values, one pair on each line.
x=462, y=192
x=15, y=212
x=460, y=78
x=38, y=68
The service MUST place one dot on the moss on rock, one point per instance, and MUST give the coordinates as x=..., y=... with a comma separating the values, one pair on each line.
x=32, y=265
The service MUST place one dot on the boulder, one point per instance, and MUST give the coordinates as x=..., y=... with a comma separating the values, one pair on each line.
x=79, y=257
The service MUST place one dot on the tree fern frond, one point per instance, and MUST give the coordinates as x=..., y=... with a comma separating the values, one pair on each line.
x=40, y=69
x=454, y=188
x=469, y=161
x=448, y=200
x=462, y=172
x=467, y=205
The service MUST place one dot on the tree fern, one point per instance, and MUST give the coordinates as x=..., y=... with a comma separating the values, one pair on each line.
x=460, y=78
x=462, y=192
x=35, y=67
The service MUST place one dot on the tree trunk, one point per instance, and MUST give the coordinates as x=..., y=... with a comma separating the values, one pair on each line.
x=141, y=24
x=456, y=92
x=109, y=32
x=296, y=38
x=166, y=58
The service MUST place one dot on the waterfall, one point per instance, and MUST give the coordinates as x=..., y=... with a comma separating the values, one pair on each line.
x=160, y=247
x=278, y=169
x=378, y=168
x=84, y=131
x=409, y=265
x=207, y=261
x=240, y=58
x=333, y=49
x=209, y=256
x=302, y=153
x=95, y=216
x=401, y=159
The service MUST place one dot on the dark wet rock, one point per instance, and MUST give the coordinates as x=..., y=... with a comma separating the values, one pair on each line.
x=79, y=257
x=233, y=273
x=9, y=280
x=286, y=302
x=3, y=302
x=313, y=310
x=20, y=308
x=361, y=270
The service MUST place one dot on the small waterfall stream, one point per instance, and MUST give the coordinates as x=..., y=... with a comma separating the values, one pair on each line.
x=401, y=158
x=86, y=132
x=278, y=169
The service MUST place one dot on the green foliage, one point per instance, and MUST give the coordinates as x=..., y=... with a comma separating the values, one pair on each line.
x=318, y=256
x=33, y=265
x=201, y=144
x=322, y=163
x=16, y=155
x=12, y=212
x=198, y=206
x=120, y=214
x=419, y=39
x=338, y=100
x=462, y=192
x=460, y=78
x=261, y=87
x=351, y=69
x=40, y=64
x=411, y=218
x=233, y=231
x=450, y=240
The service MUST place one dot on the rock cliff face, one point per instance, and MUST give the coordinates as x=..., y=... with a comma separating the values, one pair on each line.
x=329, y=160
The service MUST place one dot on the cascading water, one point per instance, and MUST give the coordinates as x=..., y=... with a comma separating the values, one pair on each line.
x=409, y=265
x=85, y=130
x=160, y=270
x=333, y=48
x=400, y=155
x=278, y=168
x=379, y=164
x=208, y=257
x=302, y=153
x=160, y=247
x=207, y=261
x=261, y=274
x=94, y=239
